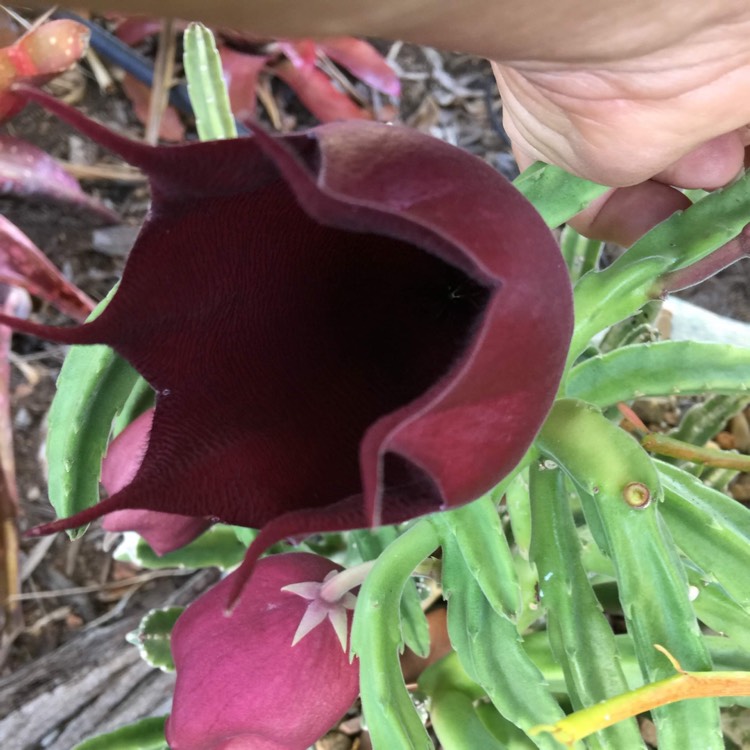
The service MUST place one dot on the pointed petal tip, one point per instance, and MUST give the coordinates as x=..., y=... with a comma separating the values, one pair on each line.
x=35, y=532
x=314, y=615
x=78, y=334
x=135, y=153
x=339, y=621
x=82, y=518
x=53, y=527
x=307, y=589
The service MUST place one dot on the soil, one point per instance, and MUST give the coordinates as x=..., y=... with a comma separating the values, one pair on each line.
x=450, y=96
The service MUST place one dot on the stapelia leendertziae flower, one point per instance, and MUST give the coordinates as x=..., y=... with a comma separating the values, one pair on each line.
x=354, y=325
x=273, y=676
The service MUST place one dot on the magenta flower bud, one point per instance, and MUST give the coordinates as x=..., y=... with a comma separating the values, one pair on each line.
x=351, y=326
x=251, y=681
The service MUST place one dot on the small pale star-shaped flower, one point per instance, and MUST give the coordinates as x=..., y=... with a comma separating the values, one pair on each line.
x=326, y=601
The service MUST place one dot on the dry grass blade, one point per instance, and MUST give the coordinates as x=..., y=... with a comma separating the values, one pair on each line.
x=110, y=172
x=94, y=587
x=101, y=74
x=163, y=72
x=265, y=95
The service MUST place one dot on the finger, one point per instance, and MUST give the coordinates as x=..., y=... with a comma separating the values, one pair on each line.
x=712, y=165
x=624, y=215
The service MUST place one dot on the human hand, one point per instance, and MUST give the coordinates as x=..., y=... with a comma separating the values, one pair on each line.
x=676, y=117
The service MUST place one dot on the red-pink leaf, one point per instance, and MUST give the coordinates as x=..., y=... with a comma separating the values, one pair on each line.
x=171, y=128
x=24, y=265
x=38, y=56
x=241, y=72
x=355, y=325
x=318, y=94
x=134, y=29
x=28, y=172
x=364, y=61
x=241, y=683
x=302, y=53
x=242, y=38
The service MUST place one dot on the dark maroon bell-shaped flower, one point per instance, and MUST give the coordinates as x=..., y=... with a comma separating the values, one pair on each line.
x=350, y=326
x=273, y=676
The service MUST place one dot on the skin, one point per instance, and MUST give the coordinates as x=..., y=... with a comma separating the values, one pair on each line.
x=645, y=96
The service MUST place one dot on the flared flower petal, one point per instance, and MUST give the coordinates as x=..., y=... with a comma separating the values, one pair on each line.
x=240, y=681
x=164, y=532
x=355, y=325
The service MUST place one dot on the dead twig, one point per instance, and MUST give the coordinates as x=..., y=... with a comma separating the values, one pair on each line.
x=93, y=588
x=163, y=72
x=35, y=557
x=37, y=626
x=109, y=172
x=101, y=73
x=266, y=98
x=333, y=72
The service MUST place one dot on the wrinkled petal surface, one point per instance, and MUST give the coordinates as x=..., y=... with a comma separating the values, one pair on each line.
x=356, y=325
x=241, y=683
x=164, y=532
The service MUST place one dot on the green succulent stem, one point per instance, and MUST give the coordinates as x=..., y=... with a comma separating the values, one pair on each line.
x=376, y=638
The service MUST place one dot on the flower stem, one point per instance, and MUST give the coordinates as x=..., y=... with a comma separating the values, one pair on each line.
x=665, y=446
x=581, y=724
